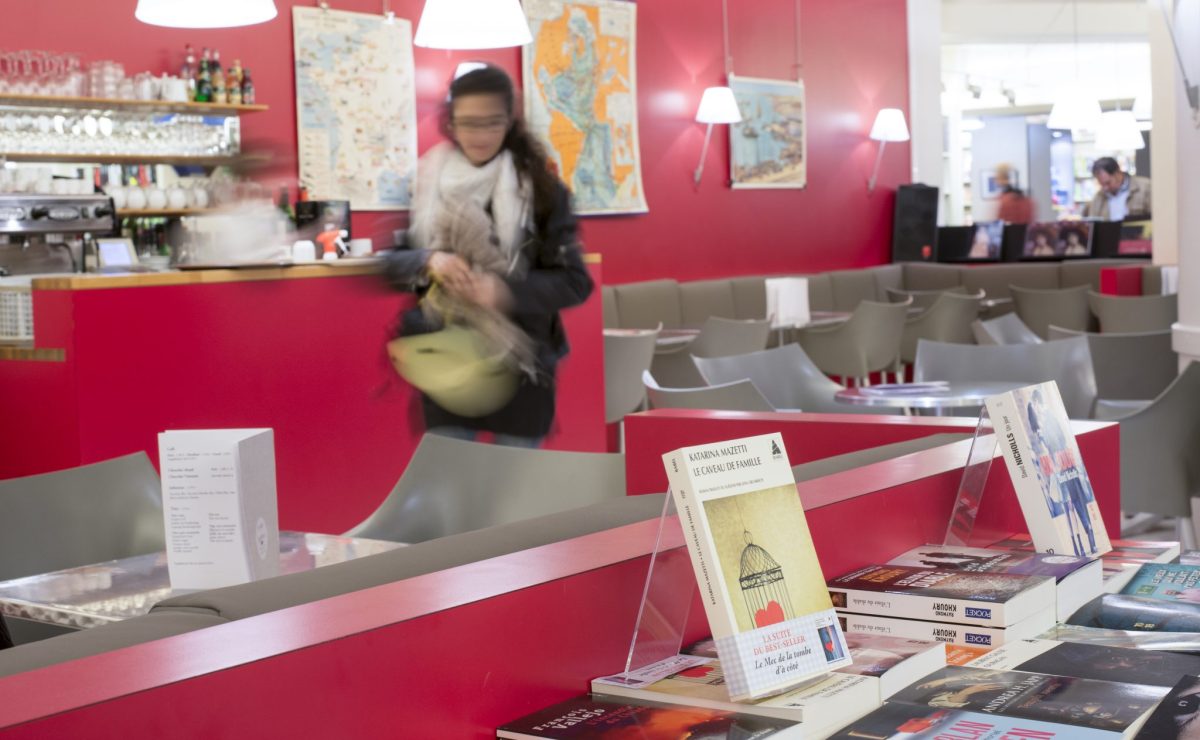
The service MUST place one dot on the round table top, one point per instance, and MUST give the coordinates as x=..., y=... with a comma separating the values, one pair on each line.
x=956, y=395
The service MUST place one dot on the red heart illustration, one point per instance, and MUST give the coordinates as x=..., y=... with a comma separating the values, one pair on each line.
x=697, y=672
x=773, y=614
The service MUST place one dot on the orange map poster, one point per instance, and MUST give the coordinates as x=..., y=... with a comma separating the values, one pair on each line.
x=580, y=77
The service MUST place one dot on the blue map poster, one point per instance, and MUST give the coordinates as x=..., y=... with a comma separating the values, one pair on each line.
x=769, y=147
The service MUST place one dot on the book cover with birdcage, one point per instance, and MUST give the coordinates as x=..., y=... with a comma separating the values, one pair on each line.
x=765, y=597
x=1047, y=471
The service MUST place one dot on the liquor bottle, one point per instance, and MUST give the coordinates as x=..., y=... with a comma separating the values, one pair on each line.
x=235, y=74
x=218, y=79
x=285, y=205
x=233, y=87
x=204, y=80
x=248, y=96
x=188, y=71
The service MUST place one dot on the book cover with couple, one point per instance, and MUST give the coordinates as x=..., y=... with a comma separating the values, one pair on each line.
x=1047, y=471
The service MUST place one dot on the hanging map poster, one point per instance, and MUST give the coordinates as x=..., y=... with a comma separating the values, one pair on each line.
x=769, y=148
x=356, y=108
x=580, y=77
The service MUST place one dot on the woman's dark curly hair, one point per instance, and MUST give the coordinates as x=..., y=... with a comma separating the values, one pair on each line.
x=529, y=155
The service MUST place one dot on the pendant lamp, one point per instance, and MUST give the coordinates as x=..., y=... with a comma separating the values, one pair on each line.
x=1075, y=110
x=472, y=24
x=204, y=13
x=1119, y=132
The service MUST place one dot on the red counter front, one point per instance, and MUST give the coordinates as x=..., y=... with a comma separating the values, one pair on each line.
x=301, y=350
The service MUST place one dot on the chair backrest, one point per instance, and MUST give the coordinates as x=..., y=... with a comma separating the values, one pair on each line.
x=740, y=395
x=626, y=356
x=1160, y=470
x=868, y=342
x=1128, y=314
x=921, y=298
x=1129, y=366
x=949, y=319
x=1067, y=361
x=608, y=304
x=724, y=337
x=1006, y=329
x=1039, y=309
x=80, y=516
x=452, y=486
x=785, y=376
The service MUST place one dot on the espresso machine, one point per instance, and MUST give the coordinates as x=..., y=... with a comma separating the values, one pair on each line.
x=42, y=234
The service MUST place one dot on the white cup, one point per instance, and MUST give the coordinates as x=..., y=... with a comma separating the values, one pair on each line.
x=198, y=197
x=156, y=198
x=361, y=247
x=177, y=198
x=174, y=90
x=135, y=198
x=304, y=251
x=118, y=195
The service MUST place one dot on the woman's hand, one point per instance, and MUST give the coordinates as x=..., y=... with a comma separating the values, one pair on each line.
x=489, y=291
x=451, y=271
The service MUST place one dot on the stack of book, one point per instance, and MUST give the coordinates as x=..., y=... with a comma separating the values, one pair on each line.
x=1119, y=564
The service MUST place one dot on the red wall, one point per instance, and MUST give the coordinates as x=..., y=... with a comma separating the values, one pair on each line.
x=854, y=62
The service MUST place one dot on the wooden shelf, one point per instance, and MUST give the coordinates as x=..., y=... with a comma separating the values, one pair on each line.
x=163, y=212
x=151, y=106
x=206, y=161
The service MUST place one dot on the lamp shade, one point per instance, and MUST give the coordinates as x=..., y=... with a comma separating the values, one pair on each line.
x=472, y=24
x=1143, y=107
x=1119, y=132
x=465, y=67
x=718, y=105
x=890, y=125
x=1075, y=110
x=204, y=13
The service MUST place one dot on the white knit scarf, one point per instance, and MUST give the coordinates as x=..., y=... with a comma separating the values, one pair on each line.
x=447, y=177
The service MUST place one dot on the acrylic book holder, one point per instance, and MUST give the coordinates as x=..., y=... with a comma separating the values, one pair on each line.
x=970, y=487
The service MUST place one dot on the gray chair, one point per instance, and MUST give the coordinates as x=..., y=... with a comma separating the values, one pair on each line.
x=718, y=337
x=1039, y=309
x=1006, y=329
x=626, y=356
x=1066, y=361
x=868, y=342
x=949, y=319
x=452, y=486
x=921, y=298
x=80, y=516
x=785, y=377
x=1160, y=467
x=1129, y=366
x=851, y=460
x=740, y=395
x=1129, y=314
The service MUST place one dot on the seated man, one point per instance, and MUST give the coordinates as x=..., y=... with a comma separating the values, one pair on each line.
x=1121, y=195
x=5, y=639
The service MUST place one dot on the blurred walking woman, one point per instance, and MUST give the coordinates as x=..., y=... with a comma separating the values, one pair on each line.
x=492, y=229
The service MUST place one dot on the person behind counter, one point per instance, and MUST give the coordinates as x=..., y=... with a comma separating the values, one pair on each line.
x=1121, y=194
x=1015, y=206
x=494, y=171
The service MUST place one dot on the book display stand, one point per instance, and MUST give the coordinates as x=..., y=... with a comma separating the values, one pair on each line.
x=974, y=478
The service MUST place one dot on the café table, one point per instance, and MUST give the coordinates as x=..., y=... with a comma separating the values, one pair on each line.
x=92, y=595
x=941, y=402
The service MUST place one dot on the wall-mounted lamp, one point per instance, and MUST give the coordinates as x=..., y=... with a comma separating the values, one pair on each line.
x=209, y=14
x=717, y=106
x=889, y=126
x=472, y=24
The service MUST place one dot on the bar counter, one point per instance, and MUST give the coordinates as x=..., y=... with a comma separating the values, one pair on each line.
x=118, y=358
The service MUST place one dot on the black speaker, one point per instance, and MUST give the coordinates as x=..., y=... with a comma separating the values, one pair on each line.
x=914, y=225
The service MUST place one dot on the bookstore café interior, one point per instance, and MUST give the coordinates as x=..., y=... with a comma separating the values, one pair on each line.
x=623, y=369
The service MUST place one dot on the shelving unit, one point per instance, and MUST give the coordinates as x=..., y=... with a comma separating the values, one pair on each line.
x=148, y=106
x=204, y=161
x=163, y=212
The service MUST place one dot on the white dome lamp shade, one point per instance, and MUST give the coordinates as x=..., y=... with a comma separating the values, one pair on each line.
x=1143, y=107
x=717, y=105
x=889, y=126
x=1075, y=111
x=205, y=13
x=1118, y=132
x=472, y=24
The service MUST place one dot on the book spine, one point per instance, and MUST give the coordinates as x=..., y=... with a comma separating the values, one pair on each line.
x=919, y=606
x=916, y=629
x=698, y=540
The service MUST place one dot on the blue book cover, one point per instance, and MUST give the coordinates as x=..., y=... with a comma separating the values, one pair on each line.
x=1124, y=612
x=1168, y=581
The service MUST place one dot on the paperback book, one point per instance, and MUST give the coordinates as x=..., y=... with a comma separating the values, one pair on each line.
x=987, y=599
x=964, y=654
x=948, y=632
x=607, y=718
x=1099, y=705
x=1047, y=471
x=1169, y=582
x=1148, y=551
x=1177, y=716
x=1175, y=642
x=1122, y=612
x=1098, y=662
x=759, y=577
x=1079, y=579
x=917, y=722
